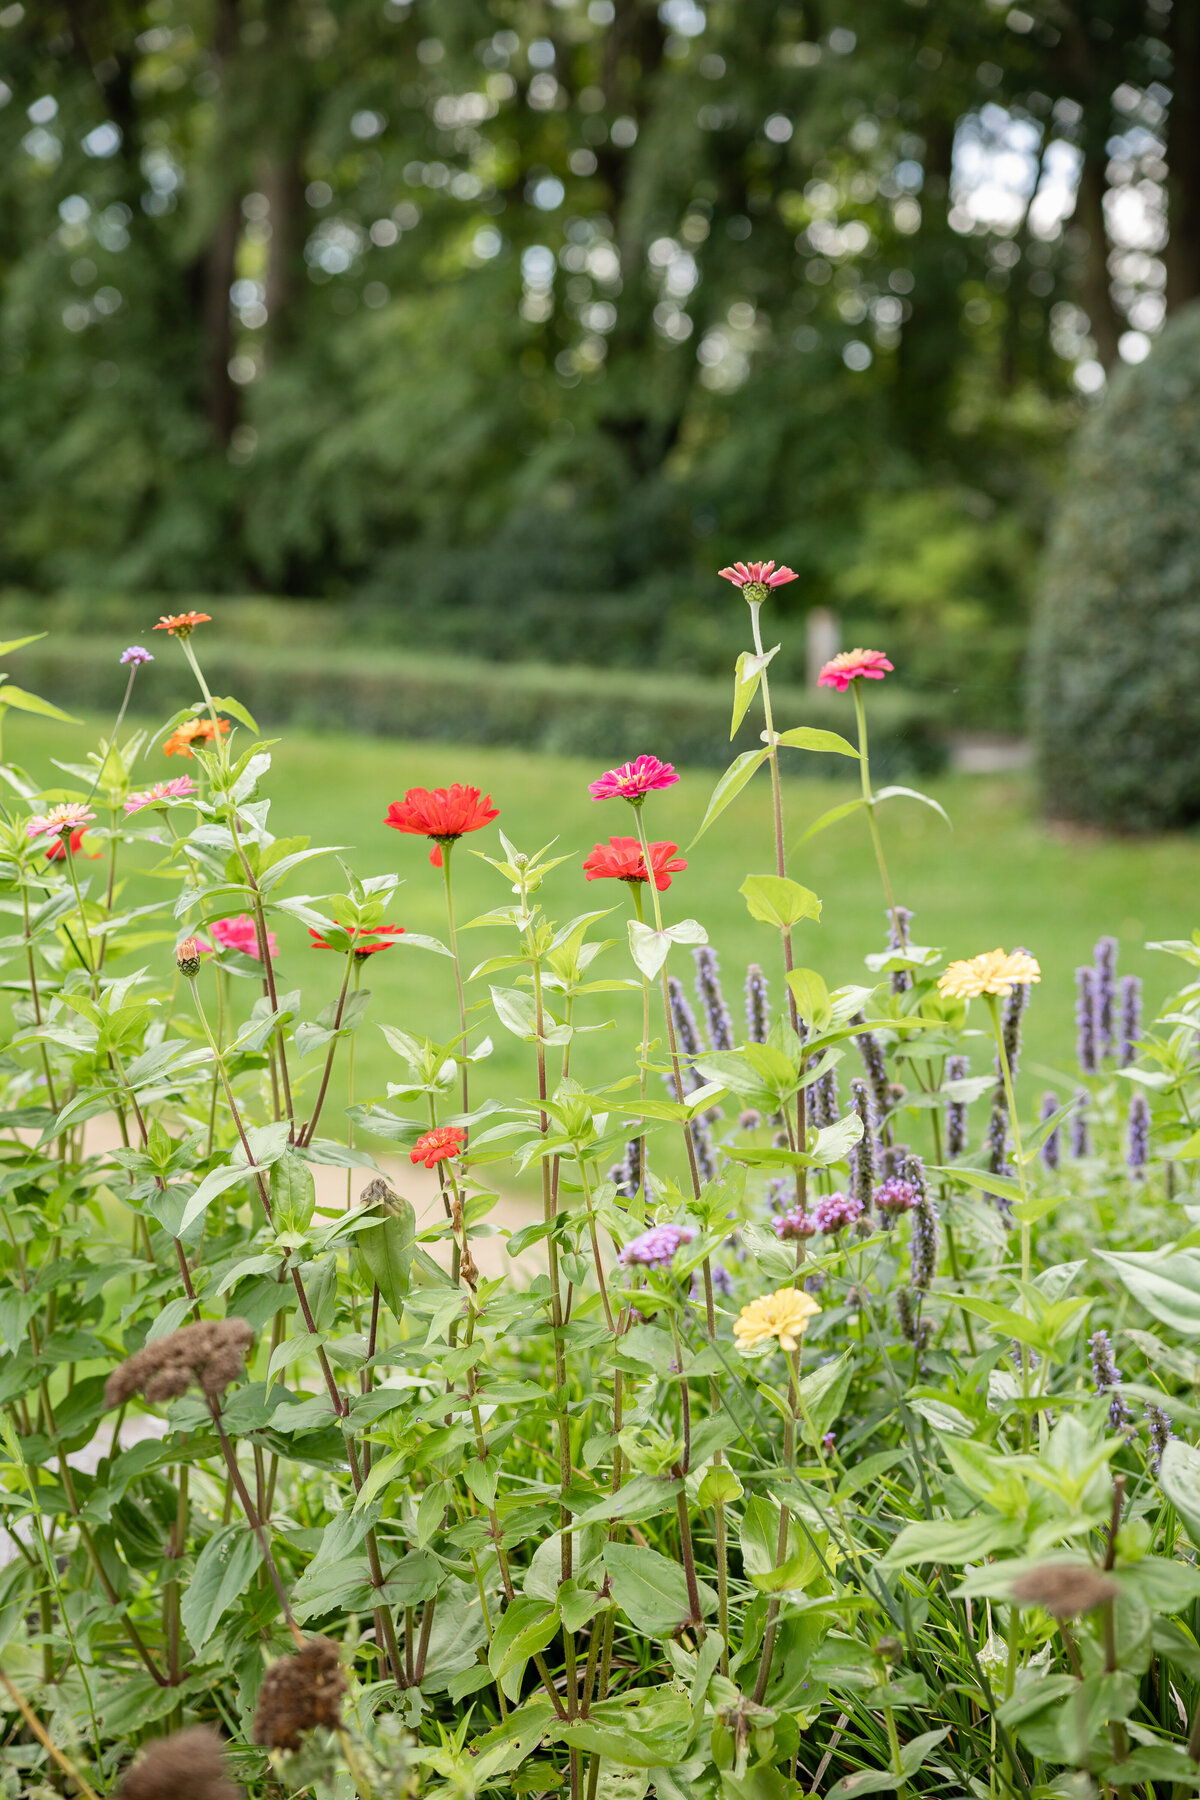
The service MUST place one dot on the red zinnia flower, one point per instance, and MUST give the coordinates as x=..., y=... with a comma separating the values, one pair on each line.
x=56, y=852
x=366, y=940
x=182, y=624
x=758, y=574
x=444, y=814
x=633, y=780
x=849, y=665
x=621, y=859
x=438, y=1145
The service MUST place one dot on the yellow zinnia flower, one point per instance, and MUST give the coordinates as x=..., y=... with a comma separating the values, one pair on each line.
x=994, y=972
x=784, y=1315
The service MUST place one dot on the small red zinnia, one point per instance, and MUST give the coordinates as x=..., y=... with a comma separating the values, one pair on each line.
x=366, y=940
x=621, y=859
x=182, y=625
x=444, y=814
x=758, y=575
x=57, y=852
x=438, y=1145
x=633, y=780
x=850, y=665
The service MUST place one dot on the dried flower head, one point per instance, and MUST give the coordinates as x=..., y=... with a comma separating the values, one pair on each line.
x=992, y=972
x=299, y=1692
x=182, y=625
x=783, y=1316
x=190, y=1765
x=211, y=1353
x=1064, y=1589
x=187, y=958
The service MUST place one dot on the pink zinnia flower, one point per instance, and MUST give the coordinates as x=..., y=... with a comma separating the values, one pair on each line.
x=758, y=575
x=850, y=665
x=242, y=934
x=162, y=794
x=633, y=780
x=69, y=817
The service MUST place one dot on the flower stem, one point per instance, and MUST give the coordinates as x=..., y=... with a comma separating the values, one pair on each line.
x=869, y=803
x=458, y=980
x=1006, y=1073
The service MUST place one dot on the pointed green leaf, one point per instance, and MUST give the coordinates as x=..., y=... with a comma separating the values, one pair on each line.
x=31, y=703
x=806, y=737
x=907, y=793
x=224, y=1570
x=729, y=786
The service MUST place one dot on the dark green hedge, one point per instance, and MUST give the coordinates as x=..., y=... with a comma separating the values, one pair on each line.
x=570, y=711
x=1116, y=647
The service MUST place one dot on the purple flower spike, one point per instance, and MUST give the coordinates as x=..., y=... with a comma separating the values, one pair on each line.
x=655, y=1249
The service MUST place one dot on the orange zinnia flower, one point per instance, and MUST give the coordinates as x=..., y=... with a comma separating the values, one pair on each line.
x=194, y=731
x=182, y=625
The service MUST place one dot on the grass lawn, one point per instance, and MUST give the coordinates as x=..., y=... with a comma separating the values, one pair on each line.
x=999, y=877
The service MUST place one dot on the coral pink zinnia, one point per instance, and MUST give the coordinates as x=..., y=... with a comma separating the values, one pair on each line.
x=849, y=665
x=443, y=814
x=366, y=940
x=438, y=1145
x=756, y=579
x=162, y=794
x=241, y=933
x=633, y=780
x=621, y=859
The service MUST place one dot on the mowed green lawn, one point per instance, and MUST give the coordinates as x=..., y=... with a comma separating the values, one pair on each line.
x=999, y=877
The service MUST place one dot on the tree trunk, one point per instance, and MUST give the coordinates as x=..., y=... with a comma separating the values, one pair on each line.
x=1183, y=158
x=1095, y=293
x=221, y=393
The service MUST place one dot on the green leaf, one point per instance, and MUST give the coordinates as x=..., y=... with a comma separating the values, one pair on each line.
x=213, y=1184
x=729, y=787
x=224, y=1570
x=832, y=816
x=1166, y=1282
x=31, y=703
x=981, y=1180
x=907, y=793
x=293, y=1193
x=806, y=737
x=11, y=644
x=812, y=998
x=776, y=900
x=387, y=1251
x=877, y=1781
x=745, y=685
x=650, y=1589
x=236, y=710
x=1179, y=1479
x=294, y=1350
x=953, y=1540
x=642, y=1498
x=823, y=1394
x=644, y=1728
x=525, y=1628
x=720, y=1483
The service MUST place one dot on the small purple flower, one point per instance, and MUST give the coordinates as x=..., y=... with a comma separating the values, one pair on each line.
x=627, y=1174
x=758, y=1005
x=749, y=1120
x=894, y=1197
x=1014, y=1006
x=1137, y=1153
x=1051, y=1149
x=1159, y=1426
x=136, y=655
x=874, y=1066
x=957, y=1069
x=1107, y=1377
x=655, y=1249
x=862, y=1156
x=1080, y=1141
x=1131, y=1019
x=835, y=1211
x=795, y=1223
x=898, y=924
x=708, y=992
x=722, y=1282
x=827, y=1442
x=924, y=1247
x=823, y=1099
x=1085, y=1018
x=1105, y=964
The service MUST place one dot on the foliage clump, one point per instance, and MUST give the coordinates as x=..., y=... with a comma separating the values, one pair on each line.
x=1116, y=645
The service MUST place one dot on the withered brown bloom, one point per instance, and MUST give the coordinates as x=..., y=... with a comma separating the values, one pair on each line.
x=299, y=1692
x=1064, y=1589
x=211, y=1353
x=188, y=1766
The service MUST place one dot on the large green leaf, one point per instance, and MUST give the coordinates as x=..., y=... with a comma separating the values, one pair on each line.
x=526, y=1627
x=387, y=1251
x=807, y=737
x=224, y=1570
x=32, y=703
x=776, y=900
x=650, y=1589
x=953, y=1540
x=1179, y=1478
x=1166, y=1282
x=645, y=1728
x=293, y=1193
x=729, y=786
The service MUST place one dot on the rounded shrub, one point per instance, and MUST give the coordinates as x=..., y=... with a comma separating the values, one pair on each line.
x=1115, y=659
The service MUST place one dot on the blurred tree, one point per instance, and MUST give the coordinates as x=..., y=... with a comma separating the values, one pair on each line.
x=511, y=320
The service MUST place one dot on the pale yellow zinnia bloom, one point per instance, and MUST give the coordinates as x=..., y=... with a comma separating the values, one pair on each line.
x=994, y=972
x=784, y=1315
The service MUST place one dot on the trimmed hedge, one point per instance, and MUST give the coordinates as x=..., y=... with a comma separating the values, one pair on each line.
x=572, y=711
x=1116, y=646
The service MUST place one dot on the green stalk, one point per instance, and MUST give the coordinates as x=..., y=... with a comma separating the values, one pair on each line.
x=447, y=845
x=869, y=803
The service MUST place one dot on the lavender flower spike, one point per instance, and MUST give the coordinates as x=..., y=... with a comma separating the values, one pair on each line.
x=862, y=1157
x=1131, y=1019
x=1080, y=1137
x=1158, y=1424
x=1105, y=963
x=924, y=1227
x=1107, y=1377
x=823, y=1099
x=1051, y=1150
x=712, y=1000
x=898, y=924
x=1085, y=1019
x=758, y=1005
x=957, y=1069
x=1137, y=1153
x=655, y=1249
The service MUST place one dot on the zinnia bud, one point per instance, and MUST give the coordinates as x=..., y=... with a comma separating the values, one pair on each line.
x=187, y=956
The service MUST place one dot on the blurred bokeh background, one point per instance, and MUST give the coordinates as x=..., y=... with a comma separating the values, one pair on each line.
x=467, y=332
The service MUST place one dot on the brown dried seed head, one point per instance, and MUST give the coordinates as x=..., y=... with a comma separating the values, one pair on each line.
x=1064, y=1589
x=299, y=1692
x=379, y=1193
x=188, y=1766
x=212, y=1352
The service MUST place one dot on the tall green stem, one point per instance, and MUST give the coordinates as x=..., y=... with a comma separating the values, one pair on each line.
x=458, y=980
x=869, y=804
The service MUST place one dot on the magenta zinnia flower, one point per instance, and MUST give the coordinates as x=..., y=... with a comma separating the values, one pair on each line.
x=757, y=575
x=241, y=934
x=633, y=780
x=69, y=817
x=162, y=794
x=850, y=665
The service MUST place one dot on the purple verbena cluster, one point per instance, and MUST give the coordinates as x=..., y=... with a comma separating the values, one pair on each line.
x=834, y=1212
x=655, y=1249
